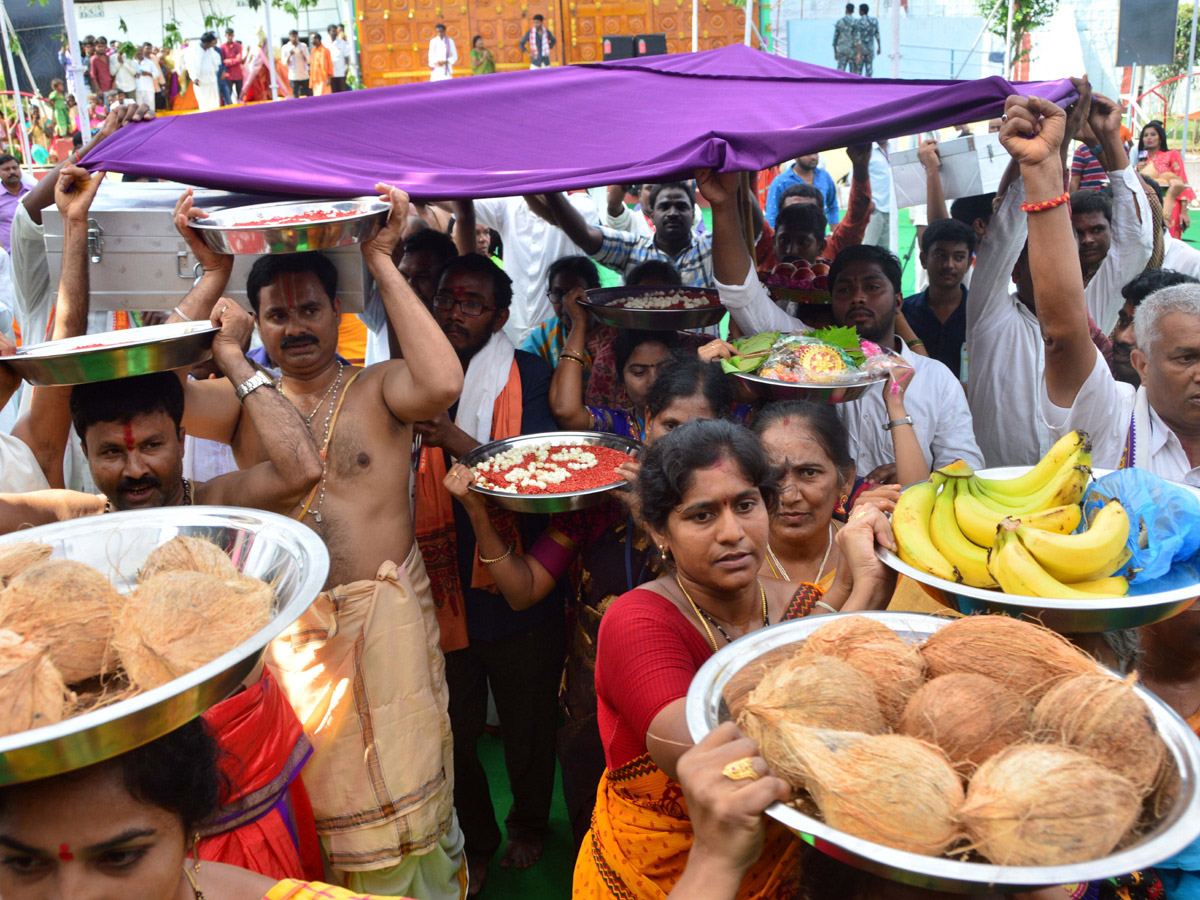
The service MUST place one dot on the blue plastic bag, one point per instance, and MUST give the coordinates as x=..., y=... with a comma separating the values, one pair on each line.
x=1164, y=527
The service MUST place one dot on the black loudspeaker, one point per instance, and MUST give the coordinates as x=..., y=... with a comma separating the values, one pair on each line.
x=618, y=46
x=1146, y=33
x=650, y=44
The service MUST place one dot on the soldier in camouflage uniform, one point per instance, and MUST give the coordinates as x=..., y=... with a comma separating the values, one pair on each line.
x=869, y=43
x=845, y=40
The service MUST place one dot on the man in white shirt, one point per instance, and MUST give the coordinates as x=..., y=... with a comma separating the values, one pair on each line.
x=879, y=227
x=1154, y=427
x=148, y=77
x=1180, y=256
x=442, y=54
x=339, y=50
x=865, y=282
x=202, y=62
x=124, y=72
x=295, y=56
x=530, y=244
x=1004, y=342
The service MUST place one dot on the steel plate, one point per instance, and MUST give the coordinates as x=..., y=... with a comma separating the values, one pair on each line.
x=222, y=230
x=1178, y=827
x=120, y=354
x=1064, y=616
x=551, y=503
x=604, y=306
x=772, y=389
x=276, y=549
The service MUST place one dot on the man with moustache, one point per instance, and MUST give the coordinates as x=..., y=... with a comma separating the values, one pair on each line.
x=381, y=777
x=1124, y=342
x=519, y=653
x=865, y=283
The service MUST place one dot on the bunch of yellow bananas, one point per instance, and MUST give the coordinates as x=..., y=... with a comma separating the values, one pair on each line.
x=1017, y=534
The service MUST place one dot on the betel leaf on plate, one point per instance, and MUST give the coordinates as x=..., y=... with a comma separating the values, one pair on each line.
x=751, y=352
x=845, y=338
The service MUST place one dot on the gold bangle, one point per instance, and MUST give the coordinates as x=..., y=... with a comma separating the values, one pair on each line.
x=505, y=555
x=574, y=359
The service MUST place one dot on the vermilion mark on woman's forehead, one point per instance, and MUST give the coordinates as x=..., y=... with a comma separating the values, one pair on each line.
x=127, y=430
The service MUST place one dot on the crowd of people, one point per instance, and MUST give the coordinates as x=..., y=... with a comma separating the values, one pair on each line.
x=201, y=74
x=352, y=757
x=536, y=43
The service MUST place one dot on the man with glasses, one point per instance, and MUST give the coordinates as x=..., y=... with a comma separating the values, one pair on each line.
x=519, y=652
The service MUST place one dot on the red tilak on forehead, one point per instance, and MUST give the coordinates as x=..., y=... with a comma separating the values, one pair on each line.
x=64, y=853
x=130, y=443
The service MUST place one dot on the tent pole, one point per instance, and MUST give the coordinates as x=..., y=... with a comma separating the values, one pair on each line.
x=271, y=53
x=895, y=38
x=746, y=30
x=1008, y=41
x=75, y=70
x=1187, y=90
x=18, y=109
x=695, y=25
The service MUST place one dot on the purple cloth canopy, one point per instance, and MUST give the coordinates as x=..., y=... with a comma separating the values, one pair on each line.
x=651, y=119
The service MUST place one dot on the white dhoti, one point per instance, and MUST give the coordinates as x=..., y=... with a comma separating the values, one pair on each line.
x=208, y=96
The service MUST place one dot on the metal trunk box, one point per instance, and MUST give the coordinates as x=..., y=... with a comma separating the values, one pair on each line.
x=139, y=261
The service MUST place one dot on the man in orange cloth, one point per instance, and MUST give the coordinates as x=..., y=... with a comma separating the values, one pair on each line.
x=320, y=67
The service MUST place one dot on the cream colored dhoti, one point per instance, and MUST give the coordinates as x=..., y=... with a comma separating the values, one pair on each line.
x=363, y=668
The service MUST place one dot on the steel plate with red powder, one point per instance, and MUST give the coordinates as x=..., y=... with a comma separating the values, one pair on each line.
x=308, y=218
x=550, y=469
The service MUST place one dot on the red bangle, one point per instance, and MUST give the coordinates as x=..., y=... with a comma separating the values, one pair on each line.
x=1046, y=204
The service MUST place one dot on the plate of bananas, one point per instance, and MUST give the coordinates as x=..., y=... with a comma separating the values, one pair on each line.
x=1005, y=540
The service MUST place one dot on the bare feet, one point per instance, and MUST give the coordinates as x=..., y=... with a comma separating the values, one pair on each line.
x=521, y=853
x=476, y=874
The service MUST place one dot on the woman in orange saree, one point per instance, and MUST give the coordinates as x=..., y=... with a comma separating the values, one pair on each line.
x=706, y=491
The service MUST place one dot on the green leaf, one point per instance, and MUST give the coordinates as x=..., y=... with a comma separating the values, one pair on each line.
x=845, y=338
x=124, y=28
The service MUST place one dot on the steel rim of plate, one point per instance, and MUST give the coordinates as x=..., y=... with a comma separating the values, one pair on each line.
x=486, y=451
x=181, y=331
x=214, y=220
x=949, y=874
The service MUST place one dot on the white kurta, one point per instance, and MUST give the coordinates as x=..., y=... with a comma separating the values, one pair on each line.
x=202, y=66
x=442, y=57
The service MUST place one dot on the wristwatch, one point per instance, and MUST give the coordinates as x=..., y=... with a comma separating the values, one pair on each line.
x=895, y=423
x=252, y=384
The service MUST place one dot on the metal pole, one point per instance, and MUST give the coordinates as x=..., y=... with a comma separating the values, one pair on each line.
x=75, y=70
x=352, y=38
x=16, y=94
x=271, y=54
x=1187, y=90
x=746, y=30
x=695, y=25
x=1008, y=60
x=895, y=39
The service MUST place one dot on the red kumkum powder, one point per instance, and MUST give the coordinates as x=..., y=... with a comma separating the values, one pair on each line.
x=600, y=475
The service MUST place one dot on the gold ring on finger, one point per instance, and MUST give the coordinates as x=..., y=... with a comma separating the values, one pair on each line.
x=740, y=770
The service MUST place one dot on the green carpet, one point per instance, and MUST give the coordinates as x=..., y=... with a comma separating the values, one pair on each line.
x=550, y=877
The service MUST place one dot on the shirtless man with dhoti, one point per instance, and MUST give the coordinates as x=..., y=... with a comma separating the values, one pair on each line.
x=363, y=667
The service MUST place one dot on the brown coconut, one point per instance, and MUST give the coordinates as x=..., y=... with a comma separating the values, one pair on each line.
x=816, y=691
x=748, y=677
x=188, y=554
x=66, y=607
x=1103, y=717
x=1023, y=656
x=887, y=788
x=16, y=558
x=177, y=621
x=32, y=692
x=893, y=665
x=1047, y=805
x=971, y=717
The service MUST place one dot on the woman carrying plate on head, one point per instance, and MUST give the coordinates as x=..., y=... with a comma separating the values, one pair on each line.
x=607, y=554
x=638, y=355
x=706, y=495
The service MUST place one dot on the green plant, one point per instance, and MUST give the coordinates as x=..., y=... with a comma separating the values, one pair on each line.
x=1028, y=16
x=172, y=36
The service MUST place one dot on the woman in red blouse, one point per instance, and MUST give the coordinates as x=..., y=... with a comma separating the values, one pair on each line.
x=706, y=492
x=1166, y=167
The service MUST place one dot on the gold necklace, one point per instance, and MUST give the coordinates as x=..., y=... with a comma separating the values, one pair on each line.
x=781, y=572
x=705, y=618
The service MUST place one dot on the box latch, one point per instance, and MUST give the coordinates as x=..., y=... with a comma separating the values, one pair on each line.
x=95, y=242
